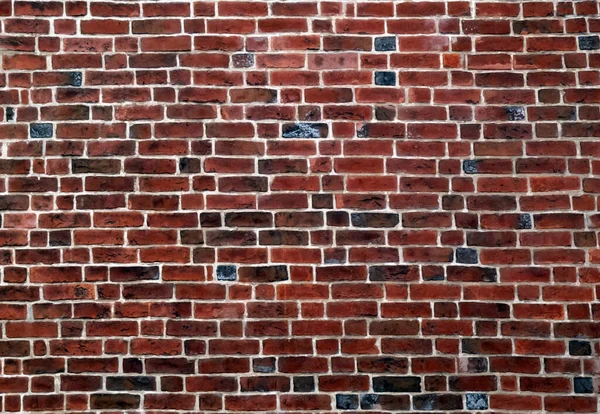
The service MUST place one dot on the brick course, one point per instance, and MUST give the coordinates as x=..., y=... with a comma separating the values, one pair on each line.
x=299, y=206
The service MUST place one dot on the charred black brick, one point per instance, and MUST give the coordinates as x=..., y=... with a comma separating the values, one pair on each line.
x=583, y=385
x=10, y=114
x=346, y=402
x=524, y=221
x=386, y=402
x=41, y=130
x=466, y=256
x=385, y=43
x=470, y=166
x=477, y=401
x=226, y=272
x=369, y=401
x=385, y=78
x=440, y=402
x=580, y=348
x=243, y=60
x=515, y=113
x=304, y=384
x=396, y=384
x=76, y=78
x=589, y=42
x=305, y=130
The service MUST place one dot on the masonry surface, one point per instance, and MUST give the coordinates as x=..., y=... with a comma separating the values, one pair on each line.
x=287, y=206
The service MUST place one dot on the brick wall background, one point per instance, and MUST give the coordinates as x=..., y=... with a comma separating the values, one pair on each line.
x=299, y=205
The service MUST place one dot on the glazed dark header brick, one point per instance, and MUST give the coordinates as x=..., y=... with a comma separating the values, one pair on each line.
x=299, y=206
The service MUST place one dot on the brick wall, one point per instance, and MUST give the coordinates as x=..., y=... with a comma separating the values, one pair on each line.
x=299, y=205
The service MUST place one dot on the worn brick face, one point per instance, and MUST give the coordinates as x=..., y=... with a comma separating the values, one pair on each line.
x=299, y=205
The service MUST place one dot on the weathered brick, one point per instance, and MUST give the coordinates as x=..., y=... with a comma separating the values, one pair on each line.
x=212, y=203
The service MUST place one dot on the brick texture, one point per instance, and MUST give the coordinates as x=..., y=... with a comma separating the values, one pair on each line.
x=303, y=205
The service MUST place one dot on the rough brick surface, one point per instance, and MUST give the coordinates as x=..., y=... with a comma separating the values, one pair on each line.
x=225, y=205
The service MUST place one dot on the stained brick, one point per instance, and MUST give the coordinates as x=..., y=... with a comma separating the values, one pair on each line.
x=212, y=204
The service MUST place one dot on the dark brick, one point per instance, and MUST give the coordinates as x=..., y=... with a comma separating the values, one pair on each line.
x=477, y=401
x=396, y=384
x=466, y=256
x=442, y=402
x=249, y=219
x=114, y=401
x=76, y=78
x=477, y=365
x=525, y=221
x=243, y=60
x=130, y=383
x=515, y=113
x=580, y=348
x=226, y=272
x=305, y=130
x=385, y=402
x=346, y=402
x=385, y=43
x=263, y=274
x=10, y=114
x=583, y=385
x=263, y=365
x=41, y=130
x=470, y=166
x=589, y=42
x=375, y=219
x=304, y=384
x=210, y=220
x=399, y=273
x=385, y=78
x=190, y=165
